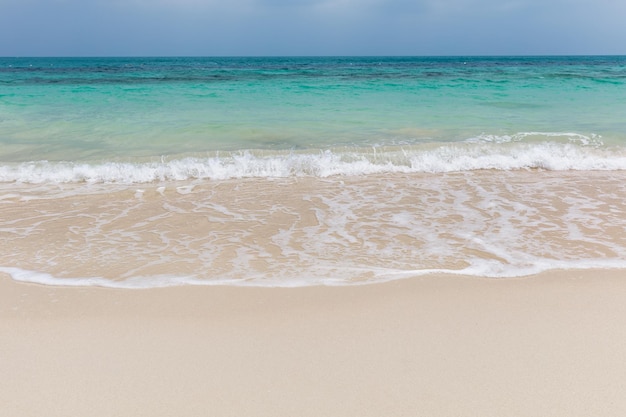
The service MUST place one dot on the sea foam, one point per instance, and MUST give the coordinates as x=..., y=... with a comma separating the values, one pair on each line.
x=485, y=269
x=315, y=231
x=479, y=154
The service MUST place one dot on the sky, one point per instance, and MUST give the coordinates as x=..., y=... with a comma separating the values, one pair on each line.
x=311, y=27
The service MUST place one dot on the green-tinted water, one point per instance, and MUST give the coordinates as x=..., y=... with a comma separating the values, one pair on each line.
x=110, y=109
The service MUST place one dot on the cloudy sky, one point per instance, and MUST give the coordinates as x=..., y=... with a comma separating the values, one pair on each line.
x=311, y=27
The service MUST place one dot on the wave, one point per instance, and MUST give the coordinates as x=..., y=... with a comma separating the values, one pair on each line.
x=481, y=153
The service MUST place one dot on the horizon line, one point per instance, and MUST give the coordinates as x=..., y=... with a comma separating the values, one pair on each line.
x=318, y=56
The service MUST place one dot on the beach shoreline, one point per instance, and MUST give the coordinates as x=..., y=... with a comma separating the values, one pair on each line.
x=550, y=344
x=309, y=231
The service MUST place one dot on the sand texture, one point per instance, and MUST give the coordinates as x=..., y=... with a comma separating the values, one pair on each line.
x=550, y=345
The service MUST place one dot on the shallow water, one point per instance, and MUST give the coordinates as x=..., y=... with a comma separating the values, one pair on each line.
x=302, y=171
x=308, y=231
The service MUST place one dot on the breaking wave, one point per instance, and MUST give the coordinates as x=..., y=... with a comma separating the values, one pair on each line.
x=483, y=154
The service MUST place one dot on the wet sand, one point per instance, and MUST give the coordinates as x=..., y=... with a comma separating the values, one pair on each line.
x=303, y=231
x=548, y=345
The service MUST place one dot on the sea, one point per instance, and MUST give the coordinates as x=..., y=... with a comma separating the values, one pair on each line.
x=298, y=171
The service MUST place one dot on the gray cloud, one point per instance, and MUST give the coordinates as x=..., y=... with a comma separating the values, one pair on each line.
x=311, y=27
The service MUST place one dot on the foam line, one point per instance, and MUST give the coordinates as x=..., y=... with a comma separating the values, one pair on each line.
x=247, y=164
x=484, y=270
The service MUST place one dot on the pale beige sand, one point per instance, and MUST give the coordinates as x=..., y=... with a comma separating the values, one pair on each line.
x=551, y=345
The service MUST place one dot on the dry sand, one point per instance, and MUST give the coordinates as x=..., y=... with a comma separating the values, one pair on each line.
x=550, y=345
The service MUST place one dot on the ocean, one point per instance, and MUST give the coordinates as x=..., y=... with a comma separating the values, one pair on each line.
x=297, y=171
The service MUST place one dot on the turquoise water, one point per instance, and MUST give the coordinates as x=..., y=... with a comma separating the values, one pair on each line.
x=184, y=111
x=147, y=172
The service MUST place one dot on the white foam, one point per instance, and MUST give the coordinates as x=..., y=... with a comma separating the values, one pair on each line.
x=335, y=231
x=42, y=278
x=338, y=277
x=571, y=137
x=499, y=154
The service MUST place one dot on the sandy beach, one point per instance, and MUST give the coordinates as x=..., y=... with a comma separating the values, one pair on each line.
x=547, y=345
